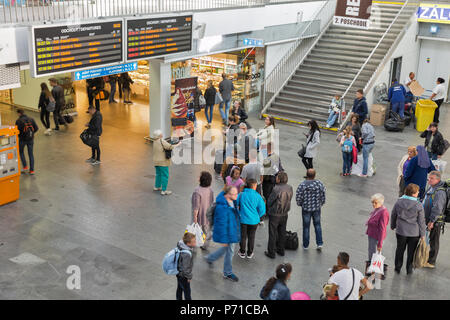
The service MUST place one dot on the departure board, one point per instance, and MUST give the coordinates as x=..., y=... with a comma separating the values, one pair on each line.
x=66, y=48
x=154, y=37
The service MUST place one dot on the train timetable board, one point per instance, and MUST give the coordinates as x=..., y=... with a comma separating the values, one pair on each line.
x=65, y=48
x=156, y=37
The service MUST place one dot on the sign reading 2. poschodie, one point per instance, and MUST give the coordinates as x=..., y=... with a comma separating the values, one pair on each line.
x=353, y=13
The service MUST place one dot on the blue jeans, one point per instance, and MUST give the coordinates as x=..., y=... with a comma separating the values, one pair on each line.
x=223, y=114
x=367, y=149
x=432, y=156
x=306, y=215
x=162, y=177
x=209, y=113
x=332, y=118
x=399, y=107
x=347, y=158
x=113, y=90
x=29, y=145
x=228, y=251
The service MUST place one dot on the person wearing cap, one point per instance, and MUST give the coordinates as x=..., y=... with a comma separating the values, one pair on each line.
x=95, y=128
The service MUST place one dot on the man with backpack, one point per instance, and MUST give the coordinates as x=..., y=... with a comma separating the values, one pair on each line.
x=27, y=128
x=58, y=95
x=435, y=205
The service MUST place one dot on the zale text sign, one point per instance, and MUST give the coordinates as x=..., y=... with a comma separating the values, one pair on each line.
x=67, y=48
x=154, y=37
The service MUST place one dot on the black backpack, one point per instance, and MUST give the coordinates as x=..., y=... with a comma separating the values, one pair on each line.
x=28, y=129
x=446, y=213
x=291, y=240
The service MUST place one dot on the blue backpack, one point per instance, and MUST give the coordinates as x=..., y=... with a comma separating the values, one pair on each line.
x=170, y=261
x=347, y=146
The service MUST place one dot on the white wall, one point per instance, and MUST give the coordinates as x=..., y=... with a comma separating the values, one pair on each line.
x=408, y=49
x=439, y=65
x=13, y=45
x=273, y=55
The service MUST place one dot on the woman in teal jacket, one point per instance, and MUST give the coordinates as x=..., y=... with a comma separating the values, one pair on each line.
x=251, y=208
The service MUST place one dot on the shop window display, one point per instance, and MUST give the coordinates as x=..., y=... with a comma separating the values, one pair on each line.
x=141, y=78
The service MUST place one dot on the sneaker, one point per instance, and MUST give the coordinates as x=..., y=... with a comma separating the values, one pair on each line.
x=31, y=172
x=231, y=277
x=327, y=126
x=90, y=160
x=319, y=247
x=95, y=162
x=429, y=265
x=241, y=255
x=250, y=256
x=261, y=223
x=166, y=193
x=363, y=175
x=305, y=248
x=156, y=189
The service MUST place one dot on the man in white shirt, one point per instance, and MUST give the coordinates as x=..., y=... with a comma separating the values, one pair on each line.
x=438, y=97
x=347, y=281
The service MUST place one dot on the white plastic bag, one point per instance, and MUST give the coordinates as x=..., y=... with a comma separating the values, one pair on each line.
x=440, y=165
x=200, y=237
x=377, y=263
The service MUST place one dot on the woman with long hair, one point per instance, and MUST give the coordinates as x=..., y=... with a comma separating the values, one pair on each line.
x=266, y=135
x=312, y=142
x=276, y=288
x=418, y=169
x=356, y=129
x=44, y=99
x=210, y=97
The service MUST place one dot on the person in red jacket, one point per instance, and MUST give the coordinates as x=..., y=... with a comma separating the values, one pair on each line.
x=377, y=224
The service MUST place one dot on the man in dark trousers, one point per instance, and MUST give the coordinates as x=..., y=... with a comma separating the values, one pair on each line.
x=97, y=85
x=95, y=128
x=434, y=205
x=397, y=98
x=112, y=84
x=27, y=128
x=90, y=91
x=58, y=95
x=360, y=106
x=279, y=204
x=225, y=87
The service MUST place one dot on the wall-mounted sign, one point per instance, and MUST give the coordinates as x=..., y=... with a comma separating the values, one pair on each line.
x=439, y=13
x=105, y=71
x=253, y=42
x=353, y=13
x=64, y=48
x=155, y=37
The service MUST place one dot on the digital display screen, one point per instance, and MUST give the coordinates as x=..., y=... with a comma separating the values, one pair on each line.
x=72, y=47
x=154, y=37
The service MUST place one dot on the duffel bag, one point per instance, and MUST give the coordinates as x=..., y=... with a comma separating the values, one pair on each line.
x=291, y=240
x=61, y=119
x=394, y=125
x=88, y=138
x=68, y=118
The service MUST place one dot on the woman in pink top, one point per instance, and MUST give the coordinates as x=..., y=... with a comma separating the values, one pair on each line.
x=234, y=179
x=377, y=224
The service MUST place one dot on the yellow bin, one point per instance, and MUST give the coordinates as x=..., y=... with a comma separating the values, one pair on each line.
x=424, y=113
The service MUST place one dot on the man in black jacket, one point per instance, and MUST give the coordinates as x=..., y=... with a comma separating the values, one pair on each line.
x=279, y=204
x=434, y=142
x=95, y=128
x=97, y=85
x=27, y=128
x=58, y=95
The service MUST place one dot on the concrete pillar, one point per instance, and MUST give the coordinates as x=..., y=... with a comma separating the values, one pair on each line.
x=159, y=92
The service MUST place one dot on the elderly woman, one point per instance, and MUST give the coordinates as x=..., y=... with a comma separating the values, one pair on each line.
x=418, y=169
x=377, y=224
x=161, y=162
x=408, y=221
x=402, y=166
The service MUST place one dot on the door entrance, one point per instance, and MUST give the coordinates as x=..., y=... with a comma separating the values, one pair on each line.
x=396, y=69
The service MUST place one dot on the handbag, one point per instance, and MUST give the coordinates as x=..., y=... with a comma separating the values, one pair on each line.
x=167, y=152
x=89, y=139
x=50, y=107
x=355, y=154
x=219, y=98
x=301, y=153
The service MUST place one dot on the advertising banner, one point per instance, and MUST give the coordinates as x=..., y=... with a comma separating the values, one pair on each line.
x=353, y=13
x=438, y=13
x=182, y=107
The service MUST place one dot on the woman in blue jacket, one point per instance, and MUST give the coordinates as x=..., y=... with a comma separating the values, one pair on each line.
x=251, y=208
x=418, y=169
x=226, y=230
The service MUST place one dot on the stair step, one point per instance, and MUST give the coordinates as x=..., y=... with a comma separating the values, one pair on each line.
x=331, y=40
x=343, y=58
x=314, y=101
x=348, y=65
x=366, y=33
x=309, y=108
x=306, y=71
x=321, y=121
x=323, y=80
x=351, y=72
x=351, y=37
x=346, y=53
x=323, y=97
x=337, y=46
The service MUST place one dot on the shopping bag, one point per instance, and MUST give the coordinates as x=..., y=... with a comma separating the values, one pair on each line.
x=218, y=98
x=200, y=237
x=422, y=253
x=377, y=263
x=355, y=154
x=440, y=165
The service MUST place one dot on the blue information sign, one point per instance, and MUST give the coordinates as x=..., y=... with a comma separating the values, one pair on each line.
x=105, y=71
x=253, y=42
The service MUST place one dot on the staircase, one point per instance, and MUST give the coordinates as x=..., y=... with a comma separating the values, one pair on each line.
x=333, y=63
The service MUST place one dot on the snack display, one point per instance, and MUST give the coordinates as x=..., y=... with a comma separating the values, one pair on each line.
x=141, y=79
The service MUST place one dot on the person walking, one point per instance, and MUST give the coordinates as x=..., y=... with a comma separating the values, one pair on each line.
x=58, y=95
x=347, y=281
x=44, y=100
x=225, y=87
x=202, y=199
x=434, y=141
x=310, y=196
x=113, y=86
x=227, y=230
x=27, y=129
x=335, y=108
x=185, y=265
x=396, y=96
x=161, y=162
x=377, y=224
x=401, y=169
x=251, y=208
x=126, y=87
x=276, y=288
x=368, y=142
x=266, y=135
x=360, y=106
x=438, y=96
x=312, y=142
x=234, y=179
x=210, y=97
x=408, y=221
x=95, y=127
x=418, y=169
x=434, y=205
x=278, y=204
x=347, y=143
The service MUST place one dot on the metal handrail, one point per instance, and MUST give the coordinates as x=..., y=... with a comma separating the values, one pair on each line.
x=277, y=78
x=367, y=60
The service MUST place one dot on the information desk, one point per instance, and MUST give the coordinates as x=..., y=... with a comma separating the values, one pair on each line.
x=65, y=48
x=9, y=164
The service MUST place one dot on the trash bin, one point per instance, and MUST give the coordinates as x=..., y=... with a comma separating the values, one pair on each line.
x=424, y=113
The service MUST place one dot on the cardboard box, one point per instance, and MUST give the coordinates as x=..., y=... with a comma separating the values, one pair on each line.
x=378, y=114
x=416, y=88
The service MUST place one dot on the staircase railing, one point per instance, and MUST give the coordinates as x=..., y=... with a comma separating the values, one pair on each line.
x=386, y=57
x=280, y=75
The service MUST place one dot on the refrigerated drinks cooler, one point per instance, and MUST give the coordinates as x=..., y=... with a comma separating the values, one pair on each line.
x=9, y=164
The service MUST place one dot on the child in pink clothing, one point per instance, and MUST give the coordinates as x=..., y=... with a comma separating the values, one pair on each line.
x=234, y=179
